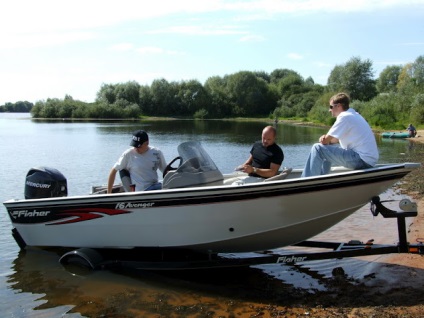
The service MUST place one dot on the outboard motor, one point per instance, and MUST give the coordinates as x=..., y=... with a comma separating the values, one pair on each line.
x=43, y=182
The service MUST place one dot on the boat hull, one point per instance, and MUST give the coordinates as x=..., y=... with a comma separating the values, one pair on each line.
x=395, y=135
x=234, y=218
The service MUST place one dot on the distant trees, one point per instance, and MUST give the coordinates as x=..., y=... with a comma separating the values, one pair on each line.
x=388, y=79
x=56, y=108
x=411, y=78
x=121, y=100
x=355, y=78
x=219, y=105
x=411, y=87
x=18, y=107
x=193, y=97
x=249, y=95
x=402, y=97
x=392, y=100
x=296, y=95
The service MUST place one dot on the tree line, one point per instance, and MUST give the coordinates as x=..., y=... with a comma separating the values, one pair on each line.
x=392, y=100
x=18, y=107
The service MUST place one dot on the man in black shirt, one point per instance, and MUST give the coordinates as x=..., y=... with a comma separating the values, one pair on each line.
x=265, y=157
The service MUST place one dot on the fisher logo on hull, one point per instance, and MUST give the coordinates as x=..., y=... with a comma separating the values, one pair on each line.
x=65, y=216
x=28, y=214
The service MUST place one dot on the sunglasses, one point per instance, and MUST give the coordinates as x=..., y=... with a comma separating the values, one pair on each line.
x=139, y=145
x=332, y=106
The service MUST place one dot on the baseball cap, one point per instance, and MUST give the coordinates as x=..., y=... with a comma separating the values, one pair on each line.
x=138, y=138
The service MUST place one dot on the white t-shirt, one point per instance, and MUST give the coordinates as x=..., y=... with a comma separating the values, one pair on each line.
x=353, y=132
x=142, y=167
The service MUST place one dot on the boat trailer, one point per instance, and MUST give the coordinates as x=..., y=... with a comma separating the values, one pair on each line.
x=172, y=259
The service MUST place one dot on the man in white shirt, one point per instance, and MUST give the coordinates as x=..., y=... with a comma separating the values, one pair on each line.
x=142, y=162
x=350, y=142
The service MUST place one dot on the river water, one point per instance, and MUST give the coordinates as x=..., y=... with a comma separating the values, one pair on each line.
x=34, y=284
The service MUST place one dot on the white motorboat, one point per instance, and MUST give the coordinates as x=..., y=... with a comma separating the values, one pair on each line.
x=198, y=209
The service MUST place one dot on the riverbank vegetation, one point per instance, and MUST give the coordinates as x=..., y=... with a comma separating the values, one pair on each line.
x=18, y=107
x=391, y=101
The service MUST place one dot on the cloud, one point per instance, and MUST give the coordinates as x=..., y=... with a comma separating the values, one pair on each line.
x=199, y=30
x=392, y=62
x=146, y=50
x=274, y=7
x=20, y=41
x=28, y=23
x=252, y=38
x=157, y=50
x=294, y=56
x=412, y=44
x=323, y=65
x=150, y=50
x=122, y=47
x=44, y=15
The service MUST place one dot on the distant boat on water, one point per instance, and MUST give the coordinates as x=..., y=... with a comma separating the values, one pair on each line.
x=390, y=134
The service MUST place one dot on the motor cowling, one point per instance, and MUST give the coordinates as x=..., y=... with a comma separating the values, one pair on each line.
x=44, y=182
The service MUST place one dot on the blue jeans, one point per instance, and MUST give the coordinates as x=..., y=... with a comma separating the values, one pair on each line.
x=155, y=186
x=322, y=157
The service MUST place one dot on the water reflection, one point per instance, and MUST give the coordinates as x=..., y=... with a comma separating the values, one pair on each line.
x=139, y=294
x=243, y=292
x=230, y=131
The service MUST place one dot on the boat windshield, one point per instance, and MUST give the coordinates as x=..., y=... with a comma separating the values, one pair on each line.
x=195, y=158
x=196, y=168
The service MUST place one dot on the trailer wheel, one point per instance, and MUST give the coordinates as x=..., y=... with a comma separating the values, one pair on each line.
x=77, y=261
x=86, y=259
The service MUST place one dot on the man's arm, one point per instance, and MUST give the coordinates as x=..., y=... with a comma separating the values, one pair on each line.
x=249, y=161
x=267, y=173
x=245, y=165
x=327, y=140
x=111, y=180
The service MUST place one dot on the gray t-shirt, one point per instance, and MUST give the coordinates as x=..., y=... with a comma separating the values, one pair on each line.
x=142, y=167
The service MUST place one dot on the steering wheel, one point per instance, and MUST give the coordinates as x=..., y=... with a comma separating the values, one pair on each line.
x=169, y=167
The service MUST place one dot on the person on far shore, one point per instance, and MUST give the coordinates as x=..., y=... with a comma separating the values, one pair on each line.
x=412, y=131
x=142, y=162
x=350, y=142
x=265, y=157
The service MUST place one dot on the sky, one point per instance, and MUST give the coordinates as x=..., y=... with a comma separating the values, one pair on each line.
x=50, y=48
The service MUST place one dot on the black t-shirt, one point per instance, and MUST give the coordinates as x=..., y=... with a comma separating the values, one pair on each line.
x=264, y=156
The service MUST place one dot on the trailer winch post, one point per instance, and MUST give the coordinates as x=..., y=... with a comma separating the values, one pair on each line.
x=378, y=207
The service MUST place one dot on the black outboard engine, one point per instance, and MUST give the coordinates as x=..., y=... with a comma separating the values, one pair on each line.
x=43, y=182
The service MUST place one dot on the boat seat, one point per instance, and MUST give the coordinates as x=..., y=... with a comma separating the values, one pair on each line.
x=281, y=176
x=245, y=179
